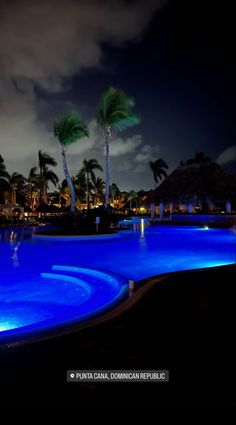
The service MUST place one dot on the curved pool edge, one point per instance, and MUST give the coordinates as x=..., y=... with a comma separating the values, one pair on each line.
x=48, y=329
x=143, y=286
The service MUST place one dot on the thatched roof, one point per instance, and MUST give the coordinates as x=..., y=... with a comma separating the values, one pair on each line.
x=195, y=182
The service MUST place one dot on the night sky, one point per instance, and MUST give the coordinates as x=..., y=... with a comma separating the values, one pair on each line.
x=176, y=58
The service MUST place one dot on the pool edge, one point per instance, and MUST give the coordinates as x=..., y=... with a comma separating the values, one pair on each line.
x=143, y=286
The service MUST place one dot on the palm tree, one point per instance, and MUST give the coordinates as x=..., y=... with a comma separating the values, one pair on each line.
x=45, y=173
x=88, y=168
x=3, y=172
x=68, y=130
x=79, y=183
x=80, y=186
x=33, y=188
x=66, y=195
x=48, y=176
x=132, y=196
x=114, y=112
x=98, y=186
x=38, y=184
x=113, y=191
x=158, y=168
x=4, y=181
x=44, y=160
x=17, y=182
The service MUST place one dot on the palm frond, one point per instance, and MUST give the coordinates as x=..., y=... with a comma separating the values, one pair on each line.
x=70, y=129
x=4, y=174
x=32, y=173
x=126, y=122
x=46, y=159
x=160, y=163
x=17, y=179
x=114, y=110
x=90, y=165
x=161, y=174
x=49, y=175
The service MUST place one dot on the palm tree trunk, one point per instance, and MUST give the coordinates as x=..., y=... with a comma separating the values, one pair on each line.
x=13, y=198
x=69, y=181
x=87, y=189
x=107, y=169
x=41, y=186
x=45, y=197
x=29, y=195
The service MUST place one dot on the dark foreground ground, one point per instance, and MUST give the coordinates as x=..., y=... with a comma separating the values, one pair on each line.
x=185, y=324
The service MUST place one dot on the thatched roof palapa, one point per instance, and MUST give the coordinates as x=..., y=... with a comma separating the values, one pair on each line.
x=195, y=182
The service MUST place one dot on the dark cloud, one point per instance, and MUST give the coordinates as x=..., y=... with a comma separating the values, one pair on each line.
x=42, y=44
x=49, y=40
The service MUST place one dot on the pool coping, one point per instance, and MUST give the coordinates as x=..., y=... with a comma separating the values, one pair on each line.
x=143, y=286
x=77, y=237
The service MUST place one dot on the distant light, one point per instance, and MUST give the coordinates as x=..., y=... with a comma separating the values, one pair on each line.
x=142, y=227
x=206, y=227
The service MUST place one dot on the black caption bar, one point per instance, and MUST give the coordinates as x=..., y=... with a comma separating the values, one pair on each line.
x=117, y=376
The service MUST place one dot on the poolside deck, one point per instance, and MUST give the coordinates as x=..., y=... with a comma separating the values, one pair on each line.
x=184, y=324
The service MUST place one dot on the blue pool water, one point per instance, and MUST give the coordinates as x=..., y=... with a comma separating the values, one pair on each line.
x=44, y=283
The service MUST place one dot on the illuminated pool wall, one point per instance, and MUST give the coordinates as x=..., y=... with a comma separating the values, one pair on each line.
x=205, y=218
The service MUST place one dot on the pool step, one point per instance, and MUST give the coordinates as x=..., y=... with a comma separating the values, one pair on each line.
x=67, y=279
x=85, y=272
x=84, y=275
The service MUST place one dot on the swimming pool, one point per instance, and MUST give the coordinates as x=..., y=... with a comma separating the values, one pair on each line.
x=46, y=283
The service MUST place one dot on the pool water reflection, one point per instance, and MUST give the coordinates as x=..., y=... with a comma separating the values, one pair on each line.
x=29, y=299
